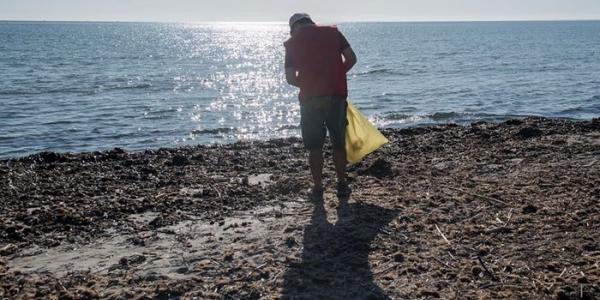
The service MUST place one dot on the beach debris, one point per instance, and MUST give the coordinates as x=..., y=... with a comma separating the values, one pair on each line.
x=379, y=168
x=530, y=209
x=481, y=211
x=8, y=249
x=180, y=161
x=529, y=132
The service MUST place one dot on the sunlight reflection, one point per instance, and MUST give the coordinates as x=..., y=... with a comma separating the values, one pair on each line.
x=241, y=66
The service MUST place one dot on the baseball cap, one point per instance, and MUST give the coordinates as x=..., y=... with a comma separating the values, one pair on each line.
x=297, y=17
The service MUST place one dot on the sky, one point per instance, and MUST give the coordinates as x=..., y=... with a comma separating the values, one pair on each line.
x=280, y=10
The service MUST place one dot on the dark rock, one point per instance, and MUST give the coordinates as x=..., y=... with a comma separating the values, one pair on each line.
x=529, y=132
x=49, y=157
x=514, y=122
x=398, y=257
x=8, y=249
x=115, y=153
x=182, y=270
x=430, y=294
x=591, y=247
x=157, y=222
x=180, y=161
x=379, y=168
x=228, y=257
x=132, y=260
x=291, y=242
x=118, y=150
x=530, y=209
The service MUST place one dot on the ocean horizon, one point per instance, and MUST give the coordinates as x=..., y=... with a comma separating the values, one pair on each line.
x=73, y=86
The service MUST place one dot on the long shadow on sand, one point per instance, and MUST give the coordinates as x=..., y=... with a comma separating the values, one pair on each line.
x=335, y=262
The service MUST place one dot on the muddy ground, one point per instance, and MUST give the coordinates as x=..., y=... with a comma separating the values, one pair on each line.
x=485, y=211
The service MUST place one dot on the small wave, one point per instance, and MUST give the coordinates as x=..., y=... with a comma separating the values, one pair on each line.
x=382, y=71
x=581, y=110
x=447, y=54
x=108, y=88
x=375, y=71
x=398, y=116
x=595, y=99
x=440, y=116
x=41, y=92
x=159, y=112
x=135, y=86
x=214, y=130
x=60, y=122
x=387, y=97
x=288, y=127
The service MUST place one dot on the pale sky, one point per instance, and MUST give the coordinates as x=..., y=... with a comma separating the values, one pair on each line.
x=280, y=10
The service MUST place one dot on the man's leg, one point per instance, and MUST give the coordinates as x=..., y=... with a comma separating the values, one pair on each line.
x=336, y=123
x=339, y=161
x=313, y=129
x=315, y=160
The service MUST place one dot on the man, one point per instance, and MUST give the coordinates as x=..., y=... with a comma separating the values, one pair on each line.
x=317, y=59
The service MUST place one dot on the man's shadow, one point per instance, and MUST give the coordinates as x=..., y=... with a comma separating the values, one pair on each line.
x=335, y=259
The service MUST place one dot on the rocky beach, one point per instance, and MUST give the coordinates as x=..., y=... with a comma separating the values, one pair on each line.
x=484, y=211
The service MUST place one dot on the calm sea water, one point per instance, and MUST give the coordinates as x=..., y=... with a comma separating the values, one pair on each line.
x=90, y=86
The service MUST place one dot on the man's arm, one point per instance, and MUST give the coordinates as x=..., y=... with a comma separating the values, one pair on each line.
x=347, y=52
x=291, y=76
x=349, y=58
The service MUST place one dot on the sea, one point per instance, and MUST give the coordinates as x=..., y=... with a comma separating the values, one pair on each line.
x=87, y=86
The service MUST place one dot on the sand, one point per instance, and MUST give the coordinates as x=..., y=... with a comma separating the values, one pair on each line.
x=483, y=211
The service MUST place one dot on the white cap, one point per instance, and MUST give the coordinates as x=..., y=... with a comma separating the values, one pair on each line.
x=297, y=17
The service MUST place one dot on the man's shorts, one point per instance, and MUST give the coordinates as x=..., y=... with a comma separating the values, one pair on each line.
x=319, y=115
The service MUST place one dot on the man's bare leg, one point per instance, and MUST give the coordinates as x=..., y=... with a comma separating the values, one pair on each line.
x=315, y=160
x=339, y=160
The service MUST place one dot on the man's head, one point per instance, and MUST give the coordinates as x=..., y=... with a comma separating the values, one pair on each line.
x=299, y=20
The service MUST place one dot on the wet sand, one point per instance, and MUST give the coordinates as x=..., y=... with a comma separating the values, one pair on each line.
x=484, y=211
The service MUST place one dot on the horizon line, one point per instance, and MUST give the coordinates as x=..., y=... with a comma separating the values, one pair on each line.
x=285, y=22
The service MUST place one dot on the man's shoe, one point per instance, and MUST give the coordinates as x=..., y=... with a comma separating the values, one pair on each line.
x=343, y=190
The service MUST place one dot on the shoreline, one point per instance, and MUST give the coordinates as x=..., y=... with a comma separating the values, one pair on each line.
x=499, y=210
x=255, y=141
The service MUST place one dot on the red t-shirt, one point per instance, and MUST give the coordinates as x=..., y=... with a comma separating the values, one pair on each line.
x=316, y=52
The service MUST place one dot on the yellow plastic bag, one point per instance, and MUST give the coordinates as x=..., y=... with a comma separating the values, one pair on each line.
x=362, y=137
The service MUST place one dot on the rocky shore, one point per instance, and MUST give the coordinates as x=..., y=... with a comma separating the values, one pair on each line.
x=485, y=211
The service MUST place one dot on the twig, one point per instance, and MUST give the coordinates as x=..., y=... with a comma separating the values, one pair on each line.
x=386, y=270
x=485, y=268
x=480, y=196
x=277, y=276
x=218, y=193
x=452, y=256
x=563, y=272
x=217, y=262
x=442, y=234
x=443, y=263
x=591, y=164
x=509, y=217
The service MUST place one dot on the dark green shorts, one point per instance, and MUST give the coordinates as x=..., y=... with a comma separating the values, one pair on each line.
x=319, y=115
